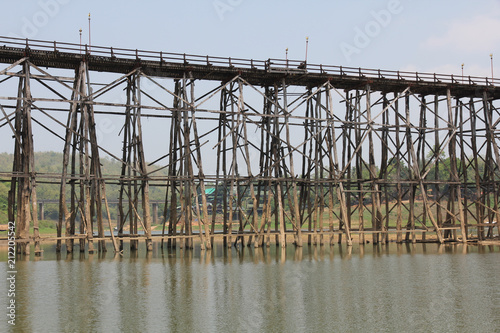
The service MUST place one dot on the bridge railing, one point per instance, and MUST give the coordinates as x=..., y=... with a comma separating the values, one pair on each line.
x=271, y=65
x=294, y=66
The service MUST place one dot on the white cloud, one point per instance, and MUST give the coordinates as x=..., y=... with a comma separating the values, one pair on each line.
x=478, y=34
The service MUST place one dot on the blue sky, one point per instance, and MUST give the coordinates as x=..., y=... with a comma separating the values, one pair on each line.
x=424, y=36
x=433, y=36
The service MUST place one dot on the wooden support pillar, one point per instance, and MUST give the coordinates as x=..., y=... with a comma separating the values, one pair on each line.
x=437, y=142
x=492, y=163
x=412, y=187
x=187, y=200
x=339, y=185
x=141, y=159
x=253, y=196
x=204, y=229
x=174, y=169
x=418, y=179
x=16, y=165
x=360, y=166
x=41, y=210
x=233, y=171
x=30, y=159
x=375, y=191
x=134, y=184
x=464, y=171
x=477, y=175
x=294, y=204
x=24, y=187
x=305, y=188
x=319, y=169
x=398, y=161
x=265, y=161
x=222, y=163
x=97, y=183
x=456, y=194
x=384, y=165
x=66, y=217
x=421, y=160
x=278, y=174
x=86, y=182
x=348, y=128
x=155, y=213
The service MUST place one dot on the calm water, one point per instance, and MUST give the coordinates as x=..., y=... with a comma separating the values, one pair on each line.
x=390, y=288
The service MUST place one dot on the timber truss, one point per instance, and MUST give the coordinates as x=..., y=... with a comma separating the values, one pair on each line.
x=255, y=153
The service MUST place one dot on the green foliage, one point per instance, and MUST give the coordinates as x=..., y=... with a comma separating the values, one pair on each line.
x=392, y=170
x=6, y=161
x=51, y=163
x=441, y=170
x=4, y=191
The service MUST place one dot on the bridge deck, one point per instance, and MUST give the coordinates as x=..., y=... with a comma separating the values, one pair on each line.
x=257, y=72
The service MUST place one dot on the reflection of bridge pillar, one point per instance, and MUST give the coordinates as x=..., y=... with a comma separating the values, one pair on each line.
x=41, y=210
x=155, y=213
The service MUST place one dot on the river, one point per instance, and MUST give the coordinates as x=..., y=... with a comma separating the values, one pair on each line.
x=382, y=288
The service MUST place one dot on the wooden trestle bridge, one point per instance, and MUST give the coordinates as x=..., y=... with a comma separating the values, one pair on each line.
x=247, y=151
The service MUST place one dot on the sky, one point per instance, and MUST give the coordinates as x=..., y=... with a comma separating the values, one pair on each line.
x=424, y=35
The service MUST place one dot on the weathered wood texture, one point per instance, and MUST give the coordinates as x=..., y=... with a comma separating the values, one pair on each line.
x=301, y=158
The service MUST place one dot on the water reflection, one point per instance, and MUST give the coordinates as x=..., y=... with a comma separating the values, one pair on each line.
x=264, y=254
x=393, y=287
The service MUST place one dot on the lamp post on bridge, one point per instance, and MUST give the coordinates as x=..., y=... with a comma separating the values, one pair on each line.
x=462, y=73
x=303, y=65
x=307, y=46
x=90, y=43
x=491, y=57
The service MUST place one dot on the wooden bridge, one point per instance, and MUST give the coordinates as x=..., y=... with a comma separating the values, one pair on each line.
x=253, y=151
